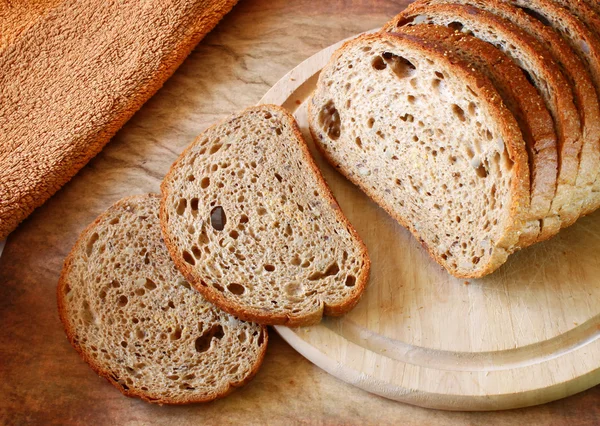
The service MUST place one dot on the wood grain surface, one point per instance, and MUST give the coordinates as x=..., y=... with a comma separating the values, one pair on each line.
x=42, y=379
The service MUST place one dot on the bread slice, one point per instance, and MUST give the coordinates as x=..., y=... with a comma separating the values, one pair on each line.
x=579, y=8
x=579, y=78
x=544, y=73
x=429, y=139
x=523, y=100
x=251, y=223
x=137, y=322
x=585, y=42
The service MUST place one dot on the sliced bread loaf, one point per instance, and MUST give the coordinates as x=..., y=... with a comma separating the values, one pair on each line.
x=570, y=22
x=543, y=72
x=523, y=100
x=579, y=78
x=251, y=223
x=429, y=139
x=137, y=322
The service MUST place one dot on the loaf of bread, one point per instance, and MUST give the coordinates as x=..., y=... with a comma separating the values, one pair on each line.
x=136, y=320
x=546, y=76
x=525, y=103
x=429, y=138
x=573, y=65
x=249, y=220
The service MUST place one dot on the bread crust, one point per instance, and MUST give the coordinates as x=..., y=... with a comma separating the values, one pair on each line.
x=513, y=140
x=99, y=369
x=561, y=104
x=36, y=168
x=248, y=313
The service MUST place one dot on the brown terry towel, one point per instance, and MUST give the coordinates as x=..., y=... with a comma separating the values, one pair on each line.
x=72, y=72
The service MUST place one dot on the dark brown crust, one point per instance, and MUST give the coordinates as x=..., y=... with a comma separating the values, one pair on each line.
x=524, y=102
x=244, y=312
x=567, y=121
x=513, y=140
x=99, y=369
x=25, y=184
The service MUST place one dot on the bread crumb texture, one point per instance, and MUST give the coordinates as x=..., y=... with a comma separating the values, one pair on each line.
x=136, y=320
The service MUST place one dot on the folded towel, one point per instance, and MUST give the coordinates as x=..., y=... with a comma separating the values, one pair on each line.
x=72, y=72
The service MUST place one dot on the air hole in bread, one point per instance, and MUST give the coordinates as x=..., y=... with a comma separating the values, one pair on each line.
x=408, y=118
x=196, y=251
x=202, y=343
x=278, y=177
x=115, y=284
x=332, y=270
x=411, y=99
x=122, y=301
x=215, y=148
x=269, y=268
x=90, y=244
x=114, y=221
x=236, y=288
x=401, y=66
x=261, y=211
x=204, y=183
x=459, y=112
x=218, y=219
x=472, y=108
x=188, y=258
x=378, y=63
x=234, y=234
x=149, y=284
x=288, y=230
x=176, y=335
x=140, y=291
x=481, y=171
x=329, y=120
x=261, y=338
x=218, y=287
x=181, y=205
x=350, y=281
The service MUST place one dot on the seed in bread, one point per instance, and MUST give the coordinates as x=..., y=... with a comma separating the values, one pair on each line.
x=249, y=220
x=137, y=322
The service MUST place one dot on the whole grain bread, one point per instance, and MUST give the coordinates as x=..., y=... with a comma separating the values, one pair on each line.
x=526, y=104
x=569, y=19
x=429, y=138
x=544, y=73
x=574, y=68
x=136, y=320
x=249, y=220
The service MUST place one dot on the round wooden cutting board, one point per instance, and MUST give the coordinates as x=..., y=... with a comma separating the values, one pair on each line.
x=527, y=334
